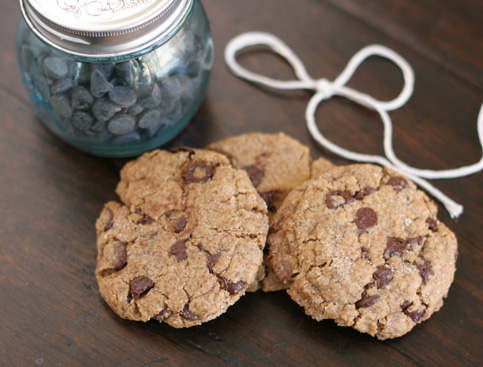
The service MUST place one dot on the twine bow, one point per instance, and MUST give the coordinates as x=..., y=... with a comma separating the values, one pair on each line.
x=325, y=89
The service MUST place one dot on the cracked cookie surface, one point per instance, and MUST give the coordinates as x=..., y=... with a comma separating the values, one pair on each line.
x=362, y=246
x=186, y=242
x=275, y=163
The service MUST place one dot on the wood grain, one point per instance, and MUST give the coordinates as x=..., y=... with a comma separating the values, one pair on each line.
x=51, y=194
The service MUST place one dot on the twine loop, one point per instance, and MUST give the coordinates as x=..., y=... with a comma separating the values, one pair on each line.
x=325, y=89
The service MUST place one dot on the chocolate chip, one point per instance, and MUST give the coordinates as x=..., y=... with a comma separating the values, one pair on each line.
x=151, y=99
x=365, y=218
x=398, y=183
x=55, y=67
x=135, y=110
x=146, y=219
x=82, y=120
x=365, y=253
x=362, y=194
x=179, y=251
x=61, y=104
x=425, y=270
x=395, y=246
x=367, y=301
x=105, y=68
x=232, y=288
x=172, y=92
x=268, y=197
x=383, y=276
x=61, y=86
x=256, y=175
x=126, y=71
x=81, y=98
x=104, y=110
x=406, y=305
x=182, y=148
x=100, y=128
x=150, y=119
x=416, y=316
x=171, y=88
x=122, y=260
x=172, y=112
x=180, y=225
x=212, y=260
x=109, y=223
x=171, y=212
x=139, y=286
x=123, y=96
x=418, y=240
x=122, y=124
x=369, y=285
x=432, y=224
x=132, y=137
x=99, y=84
x=160, y=314
x=186, y=314
x=191, y=175
x=333, y=204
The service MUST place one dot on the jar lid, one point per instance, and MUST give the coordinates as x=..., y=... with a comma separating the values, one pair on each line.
x=104, y=28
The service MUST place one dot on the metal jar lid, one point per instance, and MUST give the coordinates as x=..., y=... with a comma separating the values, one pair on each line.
x=104, y=28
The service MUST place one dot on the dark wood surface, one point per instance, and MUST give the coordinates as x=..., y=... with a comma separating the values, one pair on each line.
x=51, y=194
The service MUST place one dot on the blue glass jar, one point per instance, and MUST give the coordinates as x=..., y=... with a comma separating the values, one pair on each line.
x=115, y=78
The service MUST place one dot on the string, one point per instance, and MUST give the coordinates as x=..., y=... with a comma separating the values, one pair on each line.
x=325, y=89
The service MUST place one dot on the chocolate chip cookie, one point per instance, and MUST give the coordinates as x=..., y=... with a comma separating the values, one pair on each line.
x=362, y=246
x=275, y=163
x=186, y=241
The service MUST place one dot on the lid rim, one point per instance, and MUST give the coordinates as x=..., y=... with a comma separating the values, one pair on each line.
x=118, y=42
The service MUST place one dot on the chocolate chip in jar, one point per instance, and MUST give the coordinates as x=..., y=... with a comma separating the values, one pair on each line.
x=99, y=84
x=150, y=97
x=104, y=110
x=104, y=68
x=123, y=96
x=149, y=119
x=61, y=104
x=55, y=67
x=122, y=124
x=132, y=137
x=62, y=86
x=81, y=98
x=135, y=109
x=82, y=120
x=126, y=72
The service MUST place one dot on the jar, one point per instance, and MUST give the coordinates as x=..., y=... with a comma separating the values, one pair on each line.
x=115, y=78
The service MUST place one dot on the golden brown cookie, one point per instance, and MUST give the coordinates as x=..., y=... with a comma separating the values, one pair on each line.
x=187, y=241
x=361, y=245
x=275, y=163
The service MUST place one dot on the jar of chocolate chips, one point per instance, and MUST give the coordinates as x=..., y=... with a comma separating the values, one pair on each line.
x=115, y=78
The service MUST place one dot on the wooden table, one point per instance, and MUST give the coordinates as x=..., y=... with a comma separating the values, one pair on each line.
x=51, y=313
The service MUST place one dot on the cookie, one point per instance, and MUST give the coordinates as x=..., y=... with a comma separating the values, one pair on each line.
x=362, y=246
x=275, y=163
x=185, y=243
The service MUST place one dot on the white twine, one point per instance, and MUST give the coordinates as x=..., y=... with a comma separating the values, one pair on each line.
x=325, y=89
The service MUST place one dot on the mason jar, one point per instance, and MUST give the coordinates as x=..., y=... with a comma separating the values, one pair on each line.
x=115, y=78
